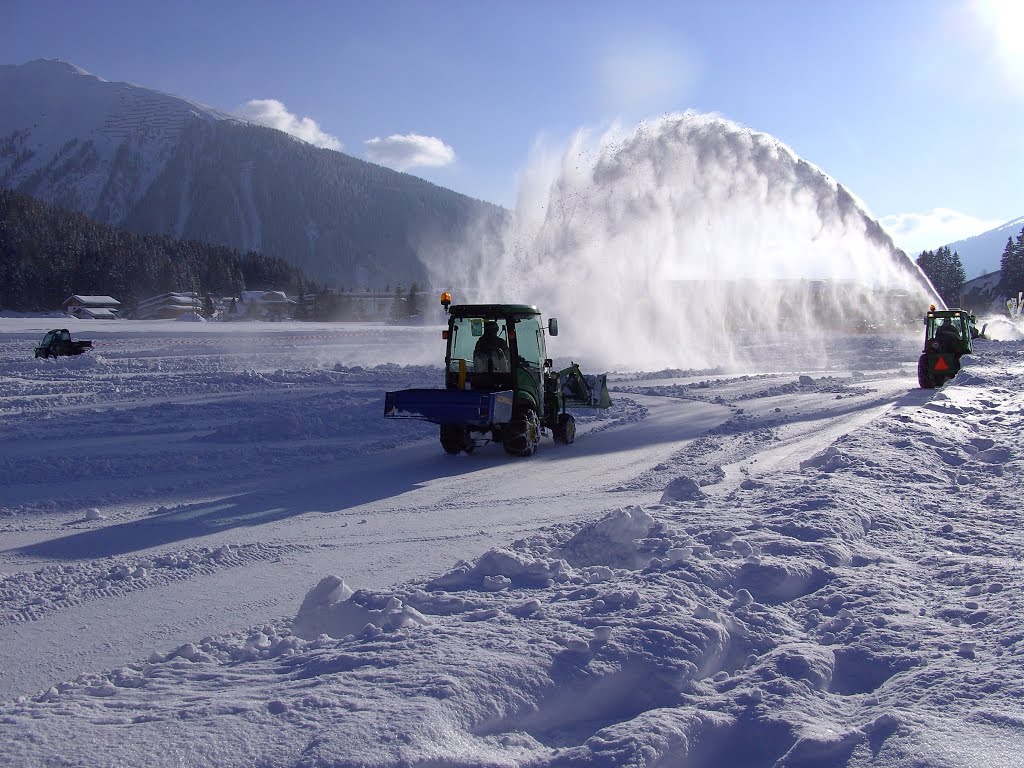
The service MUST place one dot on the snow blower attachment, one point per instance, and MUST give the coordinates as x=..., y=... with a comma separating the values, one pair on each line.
x=582, y=390
x=948, y=334
x=499, y=382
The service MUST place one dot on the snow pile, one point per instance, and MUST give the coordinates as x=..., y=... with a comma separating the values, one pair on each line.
x=331, y=608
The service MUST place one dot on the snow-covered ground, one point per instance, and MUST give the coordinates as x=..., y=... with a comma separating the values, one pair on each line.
x=214, y=551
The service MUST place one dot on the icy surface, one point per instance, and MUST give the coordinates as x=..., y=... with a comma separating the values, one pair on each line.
x=214, y=551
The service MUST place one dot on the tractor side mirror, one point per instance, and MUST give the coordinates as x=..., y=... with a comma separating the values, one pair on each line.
x=553, y=326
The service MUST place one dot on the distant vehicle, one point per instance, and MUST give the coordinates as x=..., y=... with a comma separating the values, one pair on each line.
x=58, y=342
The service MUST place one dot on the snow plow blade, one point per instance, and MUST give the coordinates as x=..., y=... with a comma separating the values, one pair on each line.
x=584, y=390
x=450, y=406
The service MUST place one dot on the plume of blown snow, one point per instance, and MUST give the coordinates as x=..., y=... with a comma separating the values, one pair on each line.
x=675, y=243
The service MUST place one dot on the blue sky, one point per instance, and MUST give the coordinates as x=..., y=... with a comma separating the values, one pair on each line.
x=916, y=106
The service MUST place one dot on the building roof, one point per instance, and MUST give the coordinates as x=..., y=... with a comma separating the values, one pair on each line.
x=96, y=313
x=983, y=283
x=92, y=301
x=183, y=297
x=266, y=297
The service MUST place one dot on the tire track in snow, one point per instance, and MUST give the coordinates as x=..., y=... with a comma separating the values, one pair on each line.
x=30, y=595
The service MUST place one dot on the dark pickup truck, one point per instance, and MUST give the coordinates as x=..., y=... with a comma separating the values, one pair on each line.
x=59, y=342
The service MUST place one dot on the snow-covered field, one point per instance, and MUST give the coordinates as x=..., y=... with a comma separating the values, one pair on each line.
x=214, y=551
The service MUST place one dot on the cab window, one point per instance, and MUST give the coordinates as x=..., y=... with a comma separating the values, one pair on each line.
x=528, y=339
x=466, y=332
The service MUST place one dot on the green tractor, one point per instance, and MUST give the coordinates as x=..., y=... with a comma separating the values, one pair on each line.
x=948, y=335
x=500, y=383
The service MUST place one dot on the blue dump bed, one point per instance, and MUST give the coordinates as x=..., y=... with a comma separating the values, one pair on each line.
x=450, y=406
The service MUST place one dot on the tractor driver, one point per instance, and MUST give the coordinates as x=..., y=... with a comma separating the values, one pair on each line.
x=491, y=352
x=947, y=336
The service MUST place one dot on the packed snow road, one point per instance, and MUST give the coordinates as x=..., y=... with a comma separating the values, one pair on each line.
x=179, y=482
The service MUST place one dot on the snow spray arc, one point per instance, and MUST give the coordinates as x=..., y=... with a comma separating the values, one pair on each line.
x=676, y=243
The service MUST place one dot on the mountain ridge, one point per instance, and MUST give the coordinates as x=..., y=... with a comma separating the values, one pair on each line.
x=155, y=163
x=981, y=253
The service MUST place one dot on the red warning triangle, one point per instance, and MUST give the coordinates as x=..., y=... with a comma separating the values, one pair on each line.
x=941, y=364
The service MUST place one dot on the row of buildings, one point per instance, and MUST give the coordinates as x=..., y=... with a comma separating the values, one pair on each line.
x=261, y=305
x=251, y=305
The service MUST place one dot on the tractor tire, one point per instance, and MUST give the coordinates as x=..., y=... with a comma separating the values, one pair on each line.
x=565, y=430
x=925, y=378
x=455, y=438
x=521, y=436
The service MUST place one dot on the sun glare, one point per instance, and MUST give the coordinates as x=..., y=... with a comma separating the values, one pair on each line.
x=1005, y=19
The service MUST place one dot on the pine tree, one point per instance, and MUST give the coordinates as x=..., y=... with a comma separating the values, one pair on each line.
x=398, y=313
x=944, y=268
x=955, y=277
x=47, y=253
x=412, y=303
x=1011, y=267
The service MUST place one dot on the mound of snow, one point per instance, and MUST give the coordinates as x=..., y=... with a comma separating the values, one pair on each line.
x=611, y=540
x=682, y=489
x=329, y=609
x=500, y=569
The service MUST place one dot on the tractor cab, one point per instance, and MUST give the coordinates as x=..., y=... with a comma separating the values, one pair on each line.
x=948, y=331
x=494, y=347
x=948, y=336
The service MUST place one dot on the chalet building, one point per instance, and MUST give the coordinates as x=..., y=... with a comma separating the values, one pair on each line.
x=169, y=306
x=92, y=307
x=265, y=305
x=982, y=294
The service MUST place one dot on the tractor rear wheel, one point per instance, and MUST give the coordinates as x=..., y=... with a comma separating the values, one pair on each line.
x=565, y=430
x=455, y=438
x=925, y=378
x=522, y=433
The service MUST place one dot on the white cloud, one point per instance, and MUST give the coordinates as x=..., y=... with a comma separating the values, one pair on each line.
x=409, y=151
x=916, y=232
x=274, y=114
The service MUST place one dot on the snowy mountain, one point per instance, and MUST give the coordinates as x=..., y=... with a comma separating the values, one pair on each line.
x=160, y=164
x=980, y=254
